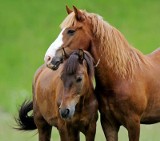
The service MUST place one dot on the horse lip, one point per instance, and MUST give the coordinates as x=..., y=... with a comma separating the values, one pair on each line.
x=56, y=65
x=67, y=118
x=53, y=67
x=49, y=65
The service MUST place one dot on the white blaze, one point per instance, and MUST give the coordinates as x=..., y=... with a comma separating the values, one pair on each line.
x=51, y=51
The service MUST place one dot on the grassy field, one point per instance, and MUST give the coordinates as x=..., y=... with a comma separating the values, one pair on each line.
x=27, y=28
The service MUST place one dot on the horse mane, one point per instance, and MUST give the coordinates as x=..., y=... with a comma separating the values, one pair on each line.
x=122, y=58
x=72, y=63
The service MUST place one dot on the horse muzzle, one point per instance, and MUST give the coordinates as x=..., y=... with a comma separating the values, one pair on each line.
x=66, y=113
x=55, y=63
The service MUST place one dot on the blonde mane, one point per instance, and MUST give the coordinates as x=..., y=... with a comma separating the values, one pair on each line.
x=122, y=58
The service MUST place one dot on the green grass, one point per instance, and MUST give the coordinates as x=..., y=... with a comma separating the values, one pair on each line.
x=27, y=28
x=7, y=132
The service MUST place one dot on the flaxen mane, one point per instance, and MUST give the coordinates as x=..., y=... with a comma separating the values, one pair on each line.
x=122, y=58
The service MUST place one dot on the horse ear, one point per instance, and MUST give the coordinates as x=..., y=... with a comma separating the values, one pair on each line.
x=79, y=15
x=81, y=55
x=68, y=10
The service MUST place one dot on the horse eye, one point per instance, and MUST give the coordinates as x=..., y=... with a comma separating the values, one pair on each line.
x=70, y=32
x=79, y=79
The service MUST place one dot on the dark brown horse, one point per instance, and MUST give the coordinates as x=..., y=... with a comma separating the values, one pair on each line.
x=127, y=81
x=64, y=99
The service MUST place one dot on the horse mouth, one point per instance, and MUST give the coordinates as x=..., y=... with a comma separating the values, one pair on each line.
x=54, y=64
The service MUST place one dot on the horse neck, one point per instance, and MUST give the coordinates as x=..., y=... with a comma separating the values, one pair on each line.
x=116, y=55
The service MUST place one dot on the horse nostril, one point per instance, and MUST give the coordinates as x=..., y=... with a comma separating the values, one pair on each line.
x=64, y=113
x=48, y=58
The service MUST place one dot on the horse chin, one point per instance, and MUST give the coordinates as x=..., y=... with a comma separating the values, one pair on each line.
x=67, y=118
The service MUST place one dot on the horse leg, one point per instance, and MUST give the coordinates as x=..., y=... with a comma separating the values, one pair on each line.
x=90, y=132
x=67, y=132
x=63, y=132
x=73, y=134
x=133, y=127
x=44, y=129
x=45, y=132
x=110, y=128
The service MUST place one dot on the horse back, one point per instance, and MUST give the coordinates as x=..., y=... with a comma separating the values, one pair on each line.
x=37, y=73
x=45, y=77
x=155, y=55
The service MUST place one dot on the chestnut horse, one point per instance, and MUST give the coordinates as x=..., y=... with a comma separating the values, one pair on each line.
x=127, y=81
x=64, y=99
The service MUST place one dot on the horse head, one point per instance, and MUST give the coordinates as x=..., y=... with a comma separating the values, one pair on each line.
x=76, y=31
x=76, y=76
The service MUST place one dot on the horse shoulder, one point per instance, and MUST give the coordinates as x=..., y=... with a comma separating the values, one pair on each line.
x=42, y=83
x=45, y=93
x=131, y=93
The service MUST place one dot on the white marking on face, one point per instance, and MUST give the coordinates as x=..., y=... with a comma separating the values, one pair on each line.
x=51, y=51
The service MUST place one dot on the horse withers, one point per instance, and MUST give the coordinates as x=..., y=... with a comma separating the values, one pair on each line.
x=127, y=81
x=64, y=99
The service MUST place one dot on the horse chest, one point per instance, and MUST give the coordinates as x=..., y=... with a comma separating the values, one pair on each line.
x=112, y=100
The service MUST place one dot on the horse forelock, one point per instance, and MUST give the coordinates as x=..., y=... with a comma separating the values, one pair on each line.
x=71, y=64
x=90, y=66
x=70, y=20
x=122, y=58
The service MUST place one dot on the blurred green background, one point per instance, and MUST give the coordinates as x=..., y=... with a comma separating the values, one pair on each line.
x=28, y=27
